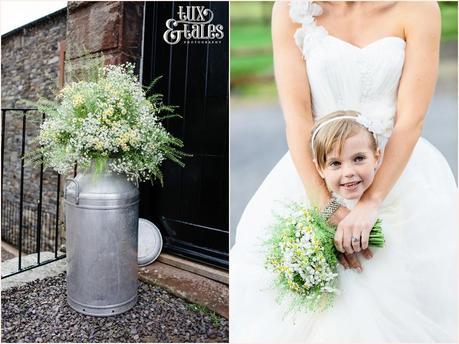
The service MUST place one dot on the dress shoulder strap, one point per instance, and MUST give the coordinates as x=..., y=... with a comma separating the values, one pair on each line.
x=304, y=13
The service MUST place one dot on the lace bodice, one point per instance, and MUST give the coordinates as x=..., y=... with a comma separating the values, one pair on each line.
x=343, y=76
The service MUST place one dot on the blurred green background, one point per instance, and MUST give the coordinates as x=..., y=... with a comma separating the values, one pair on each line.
x=251, y=50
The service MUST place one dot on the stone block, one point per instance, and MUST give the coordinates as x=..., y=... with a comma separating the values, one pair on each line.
x=93, y=28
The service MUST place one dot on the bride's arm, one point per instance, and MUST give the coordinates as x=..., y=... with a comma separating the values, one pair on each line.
x=422, y=32
x=293, y=89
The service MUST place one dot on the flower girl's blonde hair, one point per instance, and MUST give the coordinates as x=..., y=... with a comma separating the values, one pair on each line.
x=326, y=136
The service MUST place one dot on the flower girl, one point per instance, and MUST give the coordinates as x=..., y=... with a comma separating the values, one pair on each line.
x=301, y=246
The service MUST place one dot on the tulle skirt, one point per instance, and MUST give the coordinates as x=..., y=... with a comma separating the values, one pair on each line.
x=406, y=292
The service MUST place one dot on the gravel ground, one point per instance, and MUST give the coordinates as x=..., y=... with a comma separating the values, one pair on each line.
x=38, y=312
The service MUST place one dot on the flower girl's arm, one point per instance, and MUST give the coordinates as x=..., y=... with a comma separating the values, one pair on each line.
x=293, y=88
x=422, y=31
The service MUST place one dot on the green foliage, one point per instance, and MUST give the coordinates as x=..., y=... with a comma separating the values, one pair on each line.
x=87, y=68
x=448, y=21
x=250, y=11
x=250, y=35
x=214, y=317
x=254, y=38
x=252, y=65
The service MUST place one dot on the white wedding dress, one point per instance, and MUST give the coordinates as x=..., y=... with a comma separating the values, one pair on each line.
x=407, y=291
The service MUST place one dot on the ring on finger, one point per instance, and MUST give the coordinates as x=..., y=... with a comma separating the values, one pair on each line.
x=355, y=239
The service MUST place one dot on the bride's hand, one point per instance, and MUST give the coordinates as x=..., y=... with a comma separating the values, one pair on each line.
x=338, y=215
x=353, y=230
x=349, y=261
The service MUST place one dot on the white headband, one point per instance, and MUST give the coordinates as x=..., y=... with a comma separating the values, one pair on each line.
x=365, y=122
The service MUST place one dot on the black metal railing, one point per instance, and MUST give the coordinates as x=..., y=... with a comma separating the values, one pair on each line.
x=33, y=217
x=25, y=225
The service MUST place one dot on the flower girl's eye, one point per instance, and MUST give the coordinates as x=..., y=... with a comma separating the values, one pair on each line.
x=334, y=163
x=359, y=158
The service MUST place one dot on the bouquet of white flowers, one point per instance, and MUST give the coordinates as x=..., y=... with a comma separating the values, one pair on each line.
x=108, y=121
x=302, y=253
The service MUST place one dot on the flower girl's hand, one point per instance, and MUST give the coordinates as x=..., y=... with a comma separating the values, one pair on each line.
x=351, y=260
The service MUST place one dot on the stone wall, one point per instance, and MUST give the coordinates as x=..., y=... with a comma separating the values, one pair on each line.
x=30, y=70
x=30, y=60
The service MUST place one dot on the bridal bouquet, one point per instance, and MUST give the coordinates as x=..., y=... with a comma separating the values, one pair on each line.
x=302, y=253
x=108, y=120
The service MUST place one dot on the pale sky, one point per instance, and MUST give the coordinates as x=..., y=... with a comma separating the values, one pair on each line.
x=15, y=13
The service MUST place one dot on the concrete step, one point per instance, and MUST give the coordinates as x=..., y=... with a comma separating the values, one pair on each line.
x=189, y=285
x=197, y=268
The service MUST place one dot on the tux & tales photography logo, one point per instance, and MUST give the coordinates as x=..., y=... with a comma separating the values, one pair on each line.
x=193, y=26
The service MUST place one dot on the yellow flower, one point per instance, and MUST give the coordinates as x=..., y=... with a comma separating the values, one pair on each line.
x=98, y=144
x=120, y=105
x=113, y=92
x=130, y=137
x=77, y=100
x=108, y=112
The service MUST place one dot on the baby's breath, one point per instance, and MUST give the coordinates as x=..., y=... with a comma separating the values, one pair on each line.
x=109, y=120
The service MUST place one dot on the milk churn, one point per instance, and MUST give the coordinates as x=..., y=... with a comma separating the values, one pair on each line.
x=101, y=216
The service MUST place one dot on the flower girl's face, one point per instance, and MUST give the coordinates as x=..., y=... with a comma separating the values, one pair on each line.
x=352, y=171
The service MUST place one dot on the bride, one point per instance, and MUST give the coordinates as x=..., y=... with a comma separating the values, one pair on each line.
x=379, y=59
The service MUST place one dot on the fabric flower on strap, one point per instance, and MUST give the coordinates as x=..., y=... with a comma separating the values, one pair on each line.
x=299, y=10
x=309, y=34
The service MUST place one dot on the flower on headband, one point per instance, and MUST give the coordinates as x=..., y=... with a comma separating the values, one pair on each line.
x=374, y=127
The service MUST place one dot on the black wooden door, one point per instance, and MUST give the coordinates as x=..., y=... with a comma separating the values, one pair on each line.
x=191, y=209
